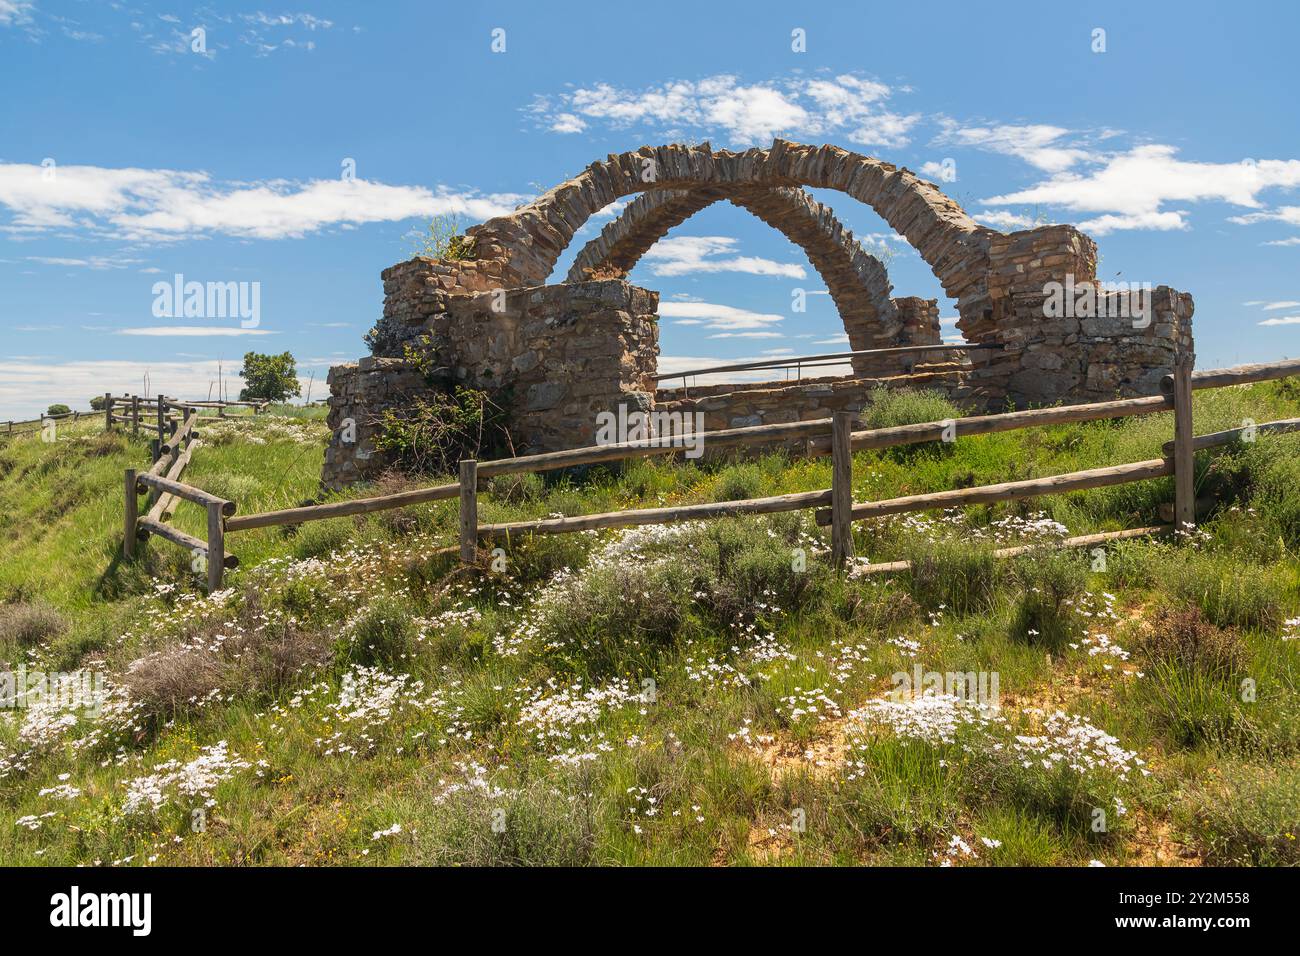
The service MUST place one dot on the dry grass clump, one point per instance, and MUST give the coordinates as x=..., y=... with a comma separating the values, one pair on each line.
x=24, y=624
x=1183, y=637
x=253, y=655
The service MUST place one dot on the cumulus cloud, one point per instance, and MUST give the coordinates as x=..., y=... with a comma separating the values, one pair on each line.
x=846, y=106
x=97, y=263
x=1002, y=219
x=1039, y=145
x=165, y=204
x=191, y=331
x=686, y=255
x=1129, y=189
x=15, y=12
x=714, y=316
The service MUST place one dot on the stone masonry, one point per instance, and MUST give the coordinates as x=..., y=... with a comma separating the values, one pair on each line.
x=561, y=353
x=568, y=351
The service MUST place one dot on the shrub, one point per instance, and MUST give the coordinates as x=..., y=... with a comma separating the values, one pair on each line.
x=1181, y=636
x=1230, y=592
x=1046, y=614
x=1250, y=816
x=889, y=407
x=540, y=826
x=615, y=617
x=250, y=656
x=60, y=409
x=738, y=482
x=431, y=435
x=962, y=576
x=517, y=488
x=743, y=567
x=26, y=625
x=384, y=634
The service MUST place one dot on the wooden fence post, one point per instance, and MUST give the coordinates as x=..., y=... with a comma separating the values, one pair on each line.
x=468, y=511
x=841, y=488
x=132, y=515
x=216, y=546
x=162, y=419
x=135, y=415
x=1184, y=456
x=108, y=411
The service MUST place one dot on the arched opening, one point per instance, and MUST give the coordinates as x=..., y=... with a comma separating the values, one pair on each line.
x=530, y=241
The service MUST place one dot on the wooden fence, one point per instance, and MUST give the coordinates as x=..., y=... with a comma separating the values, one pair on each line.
x=835, y=505
x=10, y=428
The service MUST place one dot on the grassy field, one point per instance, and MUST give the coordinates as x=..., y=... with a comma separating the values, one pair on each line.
x=700, y=694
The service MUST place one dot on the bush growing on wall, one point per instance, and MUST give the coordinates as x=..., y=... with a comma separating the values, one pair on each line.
x=432, y=434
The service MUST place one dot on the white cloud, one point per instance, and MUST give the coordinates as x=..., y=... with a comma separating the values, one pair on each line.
x=1160, y=221
x=192, y=331
x=1287, y=214
x=1282, y=320
x=848, y=106
x=1285, y=304
x=1130, y=188
x=837, y=340
x=165, y=204
x=1293, y=241
x=714, y=316
x=15, y=12
x=684, y=255
x=1038, y=145
x=747, y=335
x=1003, y=219
x=567, y=123
x=28, y=387
x=91, y=262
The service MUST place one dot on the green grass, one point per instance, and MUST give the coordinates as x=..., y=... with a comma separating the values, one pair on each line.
x=653, y=697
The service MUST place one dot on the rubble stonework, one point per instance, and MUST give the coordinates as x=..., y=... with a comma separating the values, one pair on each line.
x=570, y=350
x=561, y=354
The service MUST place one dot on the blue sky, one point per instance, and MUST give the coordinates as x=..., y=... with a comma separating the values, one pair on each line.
x=126, y=156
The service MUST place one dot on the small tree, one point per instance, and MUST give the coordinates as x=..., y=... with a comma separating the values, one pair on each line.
x=269, y=378
x=97, y=403
x=58, y=409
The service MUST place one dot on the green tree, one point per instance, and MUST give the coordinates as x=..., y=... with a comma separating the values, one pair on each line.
x=58, y=409
x=269, y=378
x=97, y=403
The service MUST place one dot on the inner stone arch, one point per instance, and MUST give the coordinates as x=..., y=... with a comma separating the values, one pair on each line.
x=856, y=280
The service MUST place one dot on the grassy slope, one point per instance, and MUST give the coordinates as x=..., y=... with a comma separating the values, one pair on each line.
x=469, y=731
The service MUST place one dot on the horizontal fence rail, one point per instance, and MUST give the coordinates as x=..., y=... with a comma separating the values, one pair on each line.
x=833, y=506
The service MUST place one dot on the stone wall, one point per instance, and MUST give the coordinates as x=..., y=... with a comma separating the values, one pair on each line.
x=360, y=392
x=1094, y=352
x=558, y=354
x=771, y=403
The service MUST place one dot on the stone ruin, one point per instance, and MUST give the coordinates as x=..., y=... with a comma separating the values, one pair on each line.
x=567, y=351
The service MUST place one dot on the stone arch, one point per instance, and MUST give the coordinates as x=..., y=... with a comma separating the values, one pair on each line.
x=528, y=242
x=856, y=280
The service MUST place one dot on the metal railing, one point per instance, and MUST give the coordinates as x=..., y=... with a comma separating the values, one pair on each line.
x=801, y=362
